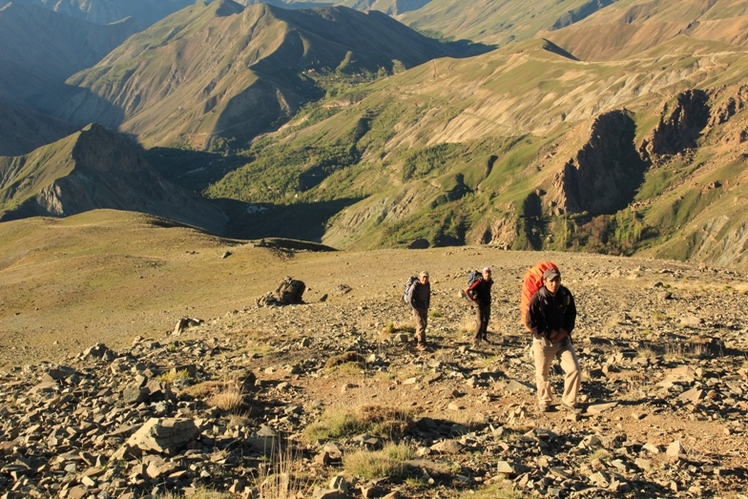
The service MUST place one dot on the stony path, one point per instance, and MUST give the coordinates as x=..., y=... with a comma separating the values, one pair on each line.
x=663, y=348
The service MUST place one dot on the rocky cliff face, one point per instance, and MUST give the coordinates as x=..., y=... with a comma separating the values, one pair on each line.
x=680, y=125
x=603, y=176
x=108, y=172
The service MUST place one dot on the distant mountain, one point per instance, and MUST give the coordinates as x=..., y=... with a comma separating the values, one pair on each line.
x=109, y=11
x=625, y=29
x=527, y=147
x=41, y=49
x=91, y=169
x=497, y=23
x=220, y=72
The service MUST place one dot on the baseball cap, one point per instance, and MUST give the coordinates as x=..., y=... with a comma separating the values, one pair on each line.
x=551, y=274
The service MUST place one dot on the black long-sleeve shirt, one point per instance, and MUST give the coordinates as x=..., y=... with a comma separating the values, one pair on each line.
x=548, y=313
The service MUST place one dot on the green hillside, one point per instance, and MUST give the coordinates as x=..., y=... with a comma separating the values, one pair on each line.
x=454, y=152
x=215, y=75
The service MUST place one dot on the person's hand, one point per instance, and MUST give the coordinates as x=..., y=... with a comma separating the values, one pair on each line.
x=557, y=335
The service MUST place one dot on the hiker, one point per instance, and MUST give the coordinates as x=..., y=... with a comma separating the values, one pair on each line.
x=551, y=318
x=419, y=297
x=479, y=292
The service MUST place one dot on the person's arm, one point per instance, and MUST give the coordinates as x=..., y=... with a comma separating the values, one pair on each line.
x=536, y=319
x=469, y=289
x=570, y=317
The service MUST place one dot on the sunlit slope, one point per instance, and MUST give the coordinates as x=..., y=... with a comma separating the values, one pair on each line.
x=456, y=151
x=118, y=274
x=628, y=27
x=222, y=71
x=498, y=22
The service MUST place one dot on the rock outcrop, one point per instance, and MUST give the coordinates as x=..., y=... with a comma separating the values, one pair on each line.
x=93, y=169
x=604, y=175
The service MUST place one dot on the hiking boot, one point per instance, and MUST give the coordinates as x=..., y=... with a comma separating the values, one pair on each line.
x=421, y=347
x=545, y=408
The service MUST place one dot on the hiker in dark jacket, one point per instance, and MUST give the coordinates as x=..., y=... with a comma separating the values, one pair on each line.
x=419, y=297
x=551, y=318
x=480, y=293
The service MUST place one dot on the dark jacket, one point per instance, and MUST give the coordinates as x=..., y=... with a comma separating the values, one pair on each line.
x=480, y=290
x=420, y=295
x=548, y=313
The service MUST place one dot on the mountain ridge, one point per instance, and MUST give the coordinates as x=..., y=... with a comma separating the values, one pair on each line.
x=252, y=76
x=92, y=169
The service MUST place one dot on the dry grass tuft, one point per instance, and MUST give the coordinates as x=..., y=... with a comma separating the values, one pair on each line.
x=230, y=399
x=346, y=358
x=282, y=478
x=227, y=395
x=204, y=390
x=372, y=465
x=377, y=420
x=200, y=493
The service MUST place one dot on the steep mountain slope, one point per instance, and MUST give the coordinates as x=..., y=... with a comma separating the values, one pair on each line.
x=524, y=147
x=91, y=169
x=220, y=71
x=629, y=27
x=498, y=23
x=41, y=48
x=109, y=11
x=23, y=130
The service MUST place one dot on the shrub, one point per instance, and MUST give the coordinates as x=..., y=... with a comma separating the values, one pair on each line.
x=376, y=420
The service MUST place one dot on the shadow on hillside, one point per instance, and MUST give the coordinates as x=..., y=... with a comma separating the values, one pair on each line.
x=467, y=48
x=192, y=170
x=298, y=221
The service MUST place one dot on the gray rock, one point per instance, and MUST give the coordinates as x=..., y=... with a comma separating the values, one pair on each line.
x=166, y=436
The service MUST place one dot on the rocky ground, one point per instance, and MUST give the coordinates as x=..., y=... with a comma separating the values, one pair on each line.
x=249, y=403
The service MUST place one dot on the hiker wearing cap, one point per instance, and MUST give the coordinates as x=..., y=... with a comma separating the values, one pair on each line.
x=419, y=298
x=480, y=293
x=551, y=318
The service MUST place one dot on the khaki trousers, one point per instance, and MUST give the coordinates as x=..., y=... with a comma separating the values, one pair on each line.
x=422, y=319
x=544, y=351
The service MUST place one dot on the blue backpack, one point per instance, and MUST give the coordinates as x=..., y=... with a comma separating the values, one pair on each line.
x=412, y=280
x=474, y=275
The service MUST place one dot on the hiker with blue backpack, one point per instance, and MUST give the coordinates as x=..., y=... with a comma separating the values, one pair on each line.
x=418, y=295
x=479, y=292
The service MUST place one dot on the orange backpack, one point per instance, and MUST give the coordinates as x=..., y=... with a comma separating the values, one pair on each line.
x=531, y=283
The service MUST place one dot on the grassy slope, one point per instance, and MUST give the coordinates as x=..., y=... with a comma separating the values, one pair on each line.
x=448, y=118
x=629, y=27
x=22, y=177
x=106, y=271
x=489, y=21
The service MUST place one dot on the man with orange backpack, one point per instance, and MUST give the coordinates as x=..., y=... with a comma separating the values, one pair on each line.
x=551, y=317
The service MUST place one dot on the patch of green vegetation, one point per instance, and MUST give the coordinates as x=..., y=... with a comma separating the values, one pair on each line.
x=381, y=421
x=419, y=163
x=497, y=490
x=201, y=493
x=372, y=465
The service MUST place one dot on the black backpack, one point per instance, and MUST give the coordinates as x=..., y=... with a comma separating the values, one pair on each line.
x=412, y=280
